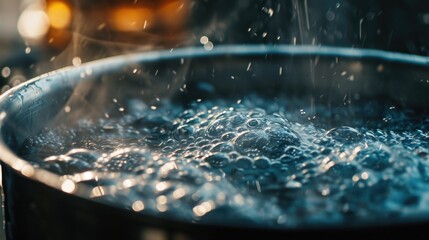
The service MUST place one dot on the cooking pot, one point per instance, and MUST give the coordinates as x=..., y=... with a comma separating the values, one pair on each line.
x=39, y=204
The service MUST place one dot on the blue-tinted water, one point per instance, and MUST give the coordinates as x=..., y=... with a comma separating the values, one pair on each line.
x=275, y=163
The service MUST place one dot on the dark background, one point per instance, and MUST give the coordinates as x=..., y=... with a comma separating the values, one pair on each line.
x=401, y=26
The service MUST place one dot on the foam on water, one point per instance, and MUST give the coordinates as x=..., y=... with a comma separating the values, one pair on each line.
x=252, y=161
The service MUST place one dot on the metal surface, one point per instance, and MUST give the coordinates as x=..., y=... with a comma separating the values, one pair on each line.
x=33, y=197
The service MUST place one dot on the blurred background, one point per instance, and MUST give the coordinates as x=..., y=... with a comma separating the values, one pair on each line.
x=38, y=36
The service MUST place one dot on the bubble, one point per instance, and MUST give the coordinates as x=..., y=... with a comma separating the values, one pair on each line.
x=376, y=157
x=71, y=166
x=86, y=155
x=280, y=138
x=253, y=122
x=342, y=170
x=345, y=134
x=222, y=147
x=124, y=160
x=330, y=16
x=151, y=121
x=243, y=163
x=257, y=160
x=262, y=162
x=217, y=128
x=184, y=131
x=251, y=142
x=217, y=160
x=228, y=136
x=237, y=119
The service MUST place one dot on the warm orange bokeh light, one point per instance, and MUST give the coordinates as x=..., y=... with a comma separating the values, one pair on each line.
x=128, y=19
x=59, y=14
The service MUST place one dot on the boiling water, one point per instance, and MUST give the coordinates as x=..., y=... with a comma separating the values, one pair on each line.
x=246, y=161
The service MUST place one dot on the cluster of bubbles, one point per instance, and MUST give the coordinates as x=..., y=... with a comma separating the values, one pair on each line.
x=251, y=161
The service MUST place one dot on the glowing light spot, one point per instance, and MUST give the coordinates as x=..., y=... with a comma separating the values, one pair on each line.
x=203, y=208
x=128, y=183
x=88, y=71
x=329, y=165
x=86, y=175
x=76, y=61
x=97, y=192
x=208, y=46
x=138, y=206
x=239, y=199
x=2, y=117
x=67, y=109
x=28, y=50
x=248, y=66
x=179, y=193
x=161, y=186
x=68, y=186
x=204, y=40
x=161, y=207
x=5, y=72
x=161, y=199
x=59, y=14
x=33, y=23
x=364, y=175
x=325, y=192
